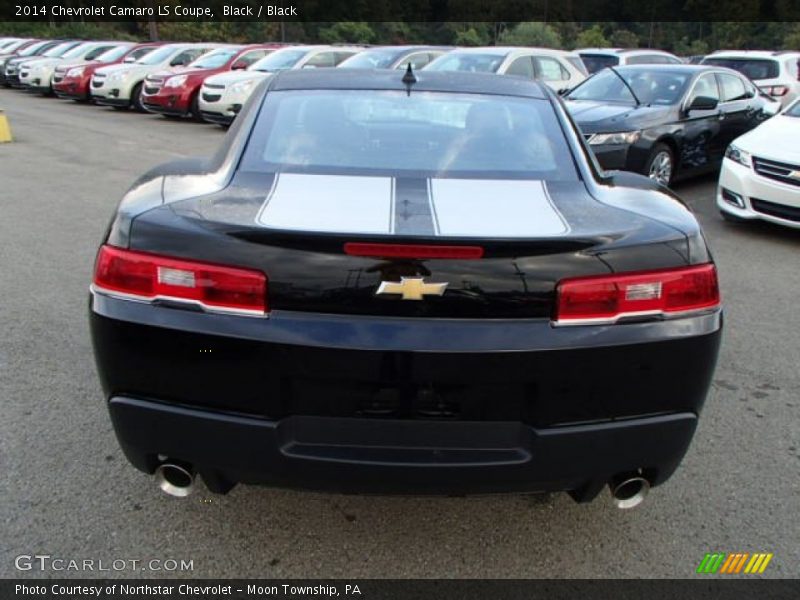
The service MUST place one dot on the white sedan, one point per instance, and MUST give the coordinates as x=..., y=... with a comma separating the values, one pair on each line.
x=760, y=176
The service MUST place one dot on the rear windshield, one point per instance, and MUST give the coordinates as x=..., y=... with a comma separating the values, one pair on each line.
x=421, y=134
x=754, y=68
x=472, y=62
x=597, y=62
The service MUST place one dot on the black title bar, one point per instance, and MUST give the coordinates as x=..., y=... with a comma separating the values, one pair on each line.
x=400, y=10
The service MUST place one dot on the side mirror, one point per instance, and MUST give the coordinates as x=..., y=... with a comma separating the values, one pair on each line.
x=703, y=103
x=238, y=66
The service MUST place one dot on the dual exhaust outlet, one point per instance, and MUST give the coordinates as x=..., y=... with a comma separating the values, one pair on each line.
x=628, y=490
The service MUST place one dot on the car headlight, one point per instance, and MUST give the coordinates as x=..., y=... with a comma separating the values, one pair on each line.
x=76, y=72
x=176, y=81
x=243, y=86
x=738, y=155
x=622, y=137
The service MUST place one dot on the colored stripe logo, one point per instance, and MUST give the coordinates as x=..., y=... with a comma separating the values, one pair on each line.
x=734, y=563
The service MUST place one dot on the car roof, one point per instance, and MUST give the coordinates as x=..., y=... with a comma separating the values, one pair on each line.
x=427, y=81
x=618, y=51
x=506, y=50
x=752, y=54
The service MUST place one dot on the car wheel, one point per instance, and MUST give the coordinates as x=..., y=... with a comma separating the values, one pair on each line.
x=661, y=164
x=136, y=98
x=732, y=218
x=194, y=110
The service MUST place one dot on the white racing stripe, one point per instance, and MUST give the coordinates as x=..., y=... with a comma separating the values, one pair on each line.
x=494, y=208
x=329, y=203
x=457, y=207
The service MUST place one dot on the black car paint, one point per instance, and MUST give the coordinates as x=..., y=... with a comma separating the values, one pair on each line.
x=697, y=138
x=539, y=404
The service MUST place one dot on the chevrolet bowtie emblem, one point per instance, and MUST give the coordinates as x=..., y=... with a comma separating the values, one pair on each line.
x=411, y=288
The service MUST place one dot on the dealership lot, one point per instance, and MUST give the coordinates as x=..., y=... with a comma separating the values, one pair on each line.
x=70, y=493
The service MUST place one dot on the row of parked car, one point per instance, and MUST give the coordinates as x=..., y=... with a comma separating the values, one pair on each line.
x=640, y=110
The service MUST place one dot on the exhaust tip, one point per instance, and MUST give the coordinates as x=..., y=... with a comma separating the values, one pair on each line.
x=175, y=480
x=629, y=491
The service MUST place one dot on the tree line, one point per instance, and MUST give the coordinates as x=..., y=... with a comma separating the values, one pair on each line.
x=682, y=38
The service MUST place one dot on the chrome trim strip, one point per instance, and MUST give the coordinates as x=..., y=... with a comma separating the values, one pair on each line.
x=242, y=312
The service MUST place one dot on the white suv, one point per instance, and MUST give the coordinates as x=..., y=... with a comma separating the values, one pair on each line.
x=120, y=85
x=777, y=74
x=597, y=59
x=559, y=69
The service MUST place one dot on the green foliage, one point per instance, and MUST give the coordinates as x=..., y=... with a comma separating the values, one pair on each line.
x=531, y=33
x=348, y=32
x=791, y=40
x=623, y=38
x=684, y=47
x=470, y=37
x=592, y=38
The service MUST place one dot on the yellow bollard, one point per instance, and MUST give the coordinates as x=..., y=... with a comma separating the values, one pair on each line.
x=5, y=129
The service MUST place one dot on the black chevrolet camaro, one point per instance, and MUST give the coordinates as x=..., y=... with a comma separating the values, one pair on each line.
x=404, y=284
x=666, y=121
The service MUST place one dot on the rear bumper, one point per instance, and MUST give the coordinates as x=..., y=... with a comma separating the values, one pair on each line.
x=395, y=456
x=402, y=405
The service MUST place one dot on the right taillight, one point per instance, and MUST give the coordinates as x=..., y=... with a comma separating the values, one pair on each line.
x=609, y=298
x=152, y=277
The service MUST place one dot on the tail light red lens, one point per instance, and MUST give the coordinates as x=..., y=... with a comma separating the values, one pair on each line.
x=151, y=277
x=412, y=251
x=609, y=298
x=776, y=91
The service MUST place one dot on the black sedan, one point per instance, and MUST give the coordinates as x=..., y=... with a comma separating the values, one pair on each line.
x=666, y=121
x=404, y=283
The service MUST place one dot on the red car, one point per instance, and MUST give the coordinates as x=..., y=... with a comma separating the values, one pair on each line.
x=73, y=82
x=175, y=93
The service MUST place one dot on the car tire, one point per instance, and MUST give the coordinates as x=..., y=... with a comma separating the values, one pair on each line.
x=660, y=165
x=732, y=218
x=194, y=109
x=136, y=98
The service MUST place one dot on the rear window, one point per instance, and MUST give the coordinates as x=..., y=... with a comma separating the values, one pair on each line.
x=470, y=62
x=421, y=134
x=754, y=68
x=598, y=62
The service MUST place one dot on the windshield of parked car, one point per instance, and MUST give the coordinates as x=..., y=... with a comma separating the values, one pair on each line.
x=27, y=51
x=59, y=50
x=422, y=134
x=157, y=56
x=13, y=46
x=113, y=55
x=215, y=59
x=381, y=58
x=754, y=68
x=598, y=62
x=279, y=60
x=467, y=61
x=77, y=51
x=650, y=86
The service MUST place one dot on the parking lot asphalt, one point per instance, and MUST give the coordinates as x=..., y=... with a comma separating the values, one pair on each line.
x=68, y=492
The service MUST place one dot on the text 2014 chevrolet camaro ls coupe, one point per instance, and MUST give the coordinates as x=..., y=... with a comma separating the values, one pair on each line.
x=411, y=284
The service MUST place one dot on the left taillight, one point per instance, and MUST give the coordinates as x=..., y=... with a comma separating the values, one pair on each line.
x=151, y=277
x=610, y=298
